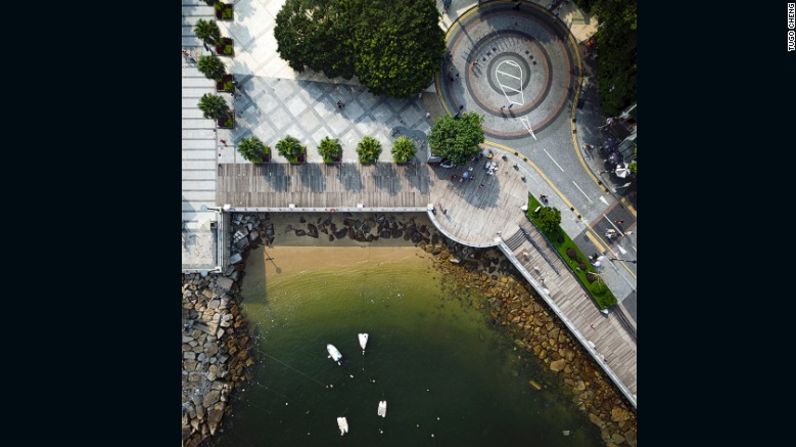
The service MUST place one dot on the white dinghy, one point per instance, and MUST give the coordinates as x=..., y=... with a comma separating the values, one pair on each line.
x=363, y=341
x=342, y=424
x=382, y=411
x=334, y=354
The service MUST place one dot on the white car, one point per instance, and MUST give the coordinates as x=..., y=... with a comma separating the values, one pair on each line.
x=447, y=164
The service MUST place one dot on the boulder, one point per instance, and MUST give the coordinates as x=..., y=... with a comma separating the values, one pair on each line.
x=312, y=231
x=558, y=365
x=300, y=232
x=210, y=398
x=225, y=284
x=619, y=414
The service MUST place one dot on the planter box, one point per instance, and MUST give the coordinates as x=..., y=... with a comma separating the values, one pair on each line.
x=301, y=159
x=227, y=122
x=225, y=84
x=224, y=11
x=225, y=47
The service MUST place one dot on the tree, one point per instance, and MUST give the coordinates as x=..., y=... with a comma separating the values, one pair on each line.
x=633, y=166
x=394, y=48
x=212, y=67
x=312, y=34
x=397, y=46
x=292, y=149
x=457, y=139
x=549, y=220
x=213, y=106
x=616, y=54
x=368, y=150
x=253, y=150
x=330, y=150
x=207, y=31
x=403, y=149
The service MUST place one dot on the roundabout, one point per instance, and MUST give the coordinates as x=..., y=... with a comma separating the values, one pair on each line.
x=515, y=67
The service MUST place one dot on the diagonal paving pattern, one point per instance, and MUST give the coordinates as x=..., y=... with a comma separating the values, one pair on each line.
x=276, y=101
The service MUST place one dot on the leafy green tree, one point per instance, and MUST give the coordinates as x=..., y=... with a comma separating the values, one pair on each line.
x=368, y=150
x=403, y=149
x=633, y=166
x=314, y=34
x=207, y=31
x=292, y=149
x=549, y=220
x=397, y=46
x=457, y=139
x=212, y=67
x=330, y=150
x=213, y=106
x=253, y=150
x=616, y=53
x=394, y=48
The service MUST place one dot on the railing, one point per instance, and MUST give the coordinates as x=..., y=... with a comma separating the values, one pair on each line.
x=574, y=330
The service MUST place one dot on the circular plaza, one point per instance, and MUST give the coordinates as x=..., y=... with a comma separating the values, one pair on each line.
x=513, y=65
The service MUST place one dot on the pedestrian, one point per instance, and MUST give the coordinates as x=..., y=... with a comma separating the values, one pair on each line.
x=206, y=47
x=502, y=107
x=461, y=107
x=224, y=142
x=450, y=77
x=620, y=222
x=340, y=104
x=516, y=6
x=428, y=115
x=511, y=105
x=457, y=75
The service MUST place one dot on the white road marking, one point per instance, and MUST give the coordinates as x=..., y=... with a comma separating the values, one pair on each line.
x=612, y=224
x=602, y=199
x=554, y=160
x=582, y=192
x=621, y=250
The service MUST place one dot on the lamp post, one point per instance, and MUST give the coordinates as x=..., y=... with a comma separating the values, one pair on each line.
x=634, y=261
x=623, y=186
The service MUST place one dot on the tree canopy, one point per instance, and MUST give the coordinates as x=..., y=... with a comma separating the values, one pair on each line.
x=368, y=150
x=212, y=67
x=213, y=106
x=549, y=220
x=394, y=48
x=403, y=149
x=330, y=149
x=457, y=139
x=253, y=150
x=207, y=31
x=292, y=149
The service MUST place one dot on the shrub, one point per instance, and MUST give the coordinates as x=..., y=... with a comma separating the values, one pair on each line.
x=290, y=148
x=572, y=253
x=368, y=150
x=633, y=167
x=403, y=150
x=330, y=150
x=457, y=139
x=253, y=150
x=212, y=67
x=207, y=31
x=213, y=106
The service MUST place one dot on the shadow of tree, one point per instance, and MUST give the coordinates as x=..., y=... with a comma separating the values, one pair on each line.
x=312, y=176
x=348, y=174
x=386, y=177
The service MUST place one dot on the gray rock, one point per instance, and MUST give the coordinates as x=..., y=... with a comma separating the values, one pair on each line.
x=213, y=304
x=188, y=355
x=224, y=283
x=254, y=235
x=210, y=398
x=235, y=258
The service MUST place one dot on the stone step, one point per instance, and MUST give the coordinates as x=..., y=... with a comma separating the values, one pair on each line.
x=193, y=3
x=198, y=196
x=201, y=11
x=199, y=175
x=187, y=30
x=199, y=155
x=195, y=92
x=199, y=185
x=196, y=206
x=192, y=113
x=197, y=165
x=198, y=134
x=198, y=124
x=191, y=42
x=199, y=144
x=190, y=71
x=197, y=82
x=190, y=103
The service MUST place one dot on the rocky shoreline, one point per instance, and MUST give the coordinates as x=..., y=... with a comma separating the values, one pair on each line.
x=216, y=342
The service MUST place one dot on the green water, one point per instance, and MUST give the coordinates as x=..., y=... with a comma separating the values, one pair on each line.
x=443, y=369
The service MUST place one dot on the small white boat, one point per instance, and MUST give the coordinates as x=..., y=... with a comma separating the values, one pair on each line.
x=334, y=354
x=382, y=411
x=342, y=424
x=363, y=341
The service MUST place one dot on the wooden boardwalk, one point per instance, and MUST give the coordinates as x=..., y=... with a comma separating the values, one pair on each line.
x=614, y=343
x=312, y=185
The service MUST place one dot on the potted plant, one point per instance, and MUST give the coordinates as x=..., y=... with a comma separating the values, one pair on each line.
x=207, y=31
x=225, y=84
x=368, y=150
x=403, y=150
x=330, y=150
x=225, y=47
x=223, y=11
x=214, y=107
x=253, y=150
x=292, y=149
x=212, y=67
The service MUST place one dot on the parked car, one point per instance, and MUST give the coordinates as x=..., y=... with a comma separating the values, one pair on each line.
x=447, y=164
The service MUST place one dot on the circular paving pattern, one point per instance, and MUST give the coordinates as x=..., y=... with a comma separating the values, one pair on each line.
x=514, y=67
